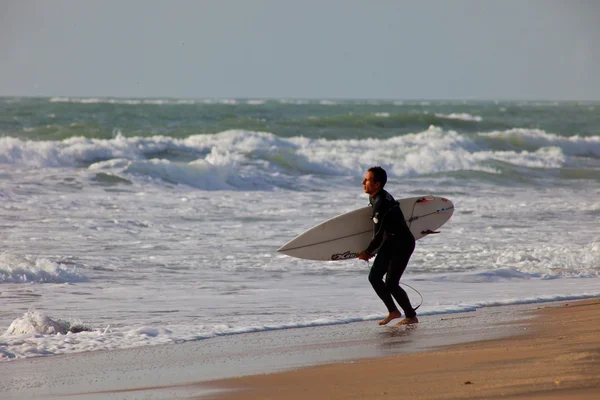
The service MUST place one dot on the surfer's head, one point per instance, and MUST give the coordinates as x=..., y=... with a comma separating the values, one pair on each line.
x=375, y=180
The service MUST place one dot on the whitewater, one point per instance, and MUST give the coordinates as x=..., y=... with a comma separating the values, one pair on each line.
x=136, y=222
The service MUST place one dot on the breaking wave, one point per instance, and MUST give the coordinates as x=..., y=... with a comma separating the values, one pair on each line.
x=18, y=269
x=248, y=159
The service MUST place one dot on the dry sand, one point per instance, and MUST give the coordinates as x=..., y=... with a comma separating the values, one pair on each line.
x=558, y=358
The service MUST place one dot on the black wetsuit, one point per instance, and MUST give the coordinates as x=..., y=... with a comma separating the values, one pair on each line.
x=390, y=228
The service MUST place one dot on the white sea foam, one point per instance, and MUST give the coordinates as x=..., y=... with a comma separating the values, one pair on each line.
x=536, y=138
x=119, y=101
x=548, y=157
x=35, y=333
x=294, y=101
x=255, y=102
x=227, y=101
x=200, y=173
x=460, y=116
x=95, y=100
x=555, y=260
x=37, y=323
x=19, y=269
x=258, y=159
x=212, y=259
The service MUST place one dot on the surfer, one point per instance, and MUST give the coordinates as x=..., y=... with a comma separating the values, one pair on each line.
x=397, y=245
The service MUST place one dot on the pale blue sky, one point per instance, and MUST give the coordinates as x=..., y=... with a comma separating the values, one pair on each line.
x=455, y=49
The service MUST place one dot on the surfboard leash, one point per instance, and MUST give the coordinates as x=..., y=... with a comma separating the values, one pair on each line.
x=419, y=293
x=407, y=285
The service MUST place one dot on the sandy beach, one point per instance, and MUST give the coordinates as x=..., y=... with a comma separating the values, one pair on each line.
x=541, y=351
x=557, y=358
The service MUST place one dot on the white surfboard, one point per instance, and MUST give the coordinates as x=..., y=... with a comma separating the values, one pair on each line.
x=344, y=236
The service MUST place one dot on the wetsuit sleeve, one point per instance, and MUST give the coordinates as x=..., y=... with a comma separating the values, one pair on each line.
x=378, y=230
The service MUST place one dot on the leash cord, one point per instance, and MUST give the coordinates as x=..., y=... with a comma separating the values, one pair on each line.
x=408, y=286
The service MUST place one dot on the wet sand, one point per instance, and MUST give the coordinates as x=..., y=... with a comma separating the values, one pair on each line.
x=532, y=350
x=557, y=357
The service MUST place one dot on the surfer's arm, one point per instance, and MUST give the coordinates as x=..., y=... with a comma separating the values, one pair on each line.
x=375, y=242
x=378, y=229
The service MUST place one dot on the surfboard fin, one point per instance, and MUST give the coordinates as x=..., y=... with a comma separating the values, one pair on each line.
x=429, y=232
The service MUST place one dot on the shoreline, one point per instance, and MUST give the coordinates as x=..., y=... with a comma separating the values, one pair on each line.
x=557, y=358
x=256, y=364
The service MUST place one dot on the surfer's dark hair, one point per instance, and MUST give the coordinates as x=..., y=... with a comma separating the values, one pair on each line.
x=379, y=175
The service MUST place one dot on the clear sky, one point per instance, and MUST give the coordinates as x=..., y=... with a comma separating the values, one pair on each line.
x=453, y=49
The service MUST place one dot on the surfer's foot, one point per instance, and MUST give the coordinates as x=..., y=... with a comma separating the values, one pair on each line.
x=391, y=316
x=409, y=321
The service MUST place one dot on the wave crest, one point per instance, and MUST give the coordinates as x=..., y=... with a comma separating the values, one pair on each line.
x=249, y=159
x=18, y=269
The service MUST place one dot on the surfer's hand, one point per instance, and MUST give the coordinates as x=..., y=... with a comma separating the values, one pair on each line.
x=363, y=255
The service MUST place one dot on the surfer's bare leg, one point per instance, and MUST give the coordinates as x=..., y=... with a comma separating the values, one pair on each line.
x=392, y=315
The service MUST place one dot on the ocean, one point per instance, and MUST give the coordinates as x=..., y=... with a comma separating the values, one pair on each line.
x=137, y=222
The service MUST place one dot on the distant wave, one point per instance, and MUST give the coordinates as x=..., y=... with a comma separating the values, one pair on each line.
x=534, y=139
x=413, y=121
x=461, y=116
x=121, y=101
x=101, y=117
x=133, y=102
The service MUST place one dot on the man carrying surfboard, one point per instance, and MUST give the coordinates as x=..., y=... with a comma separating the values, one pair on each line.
x=396, y=244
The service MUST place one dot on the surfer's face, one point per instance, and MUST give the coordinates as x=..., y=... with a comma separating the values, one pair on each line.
x=371, y=187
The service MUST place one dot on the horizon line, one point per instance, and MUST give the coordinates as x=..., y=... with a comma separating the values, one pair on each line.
x=251, y=98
